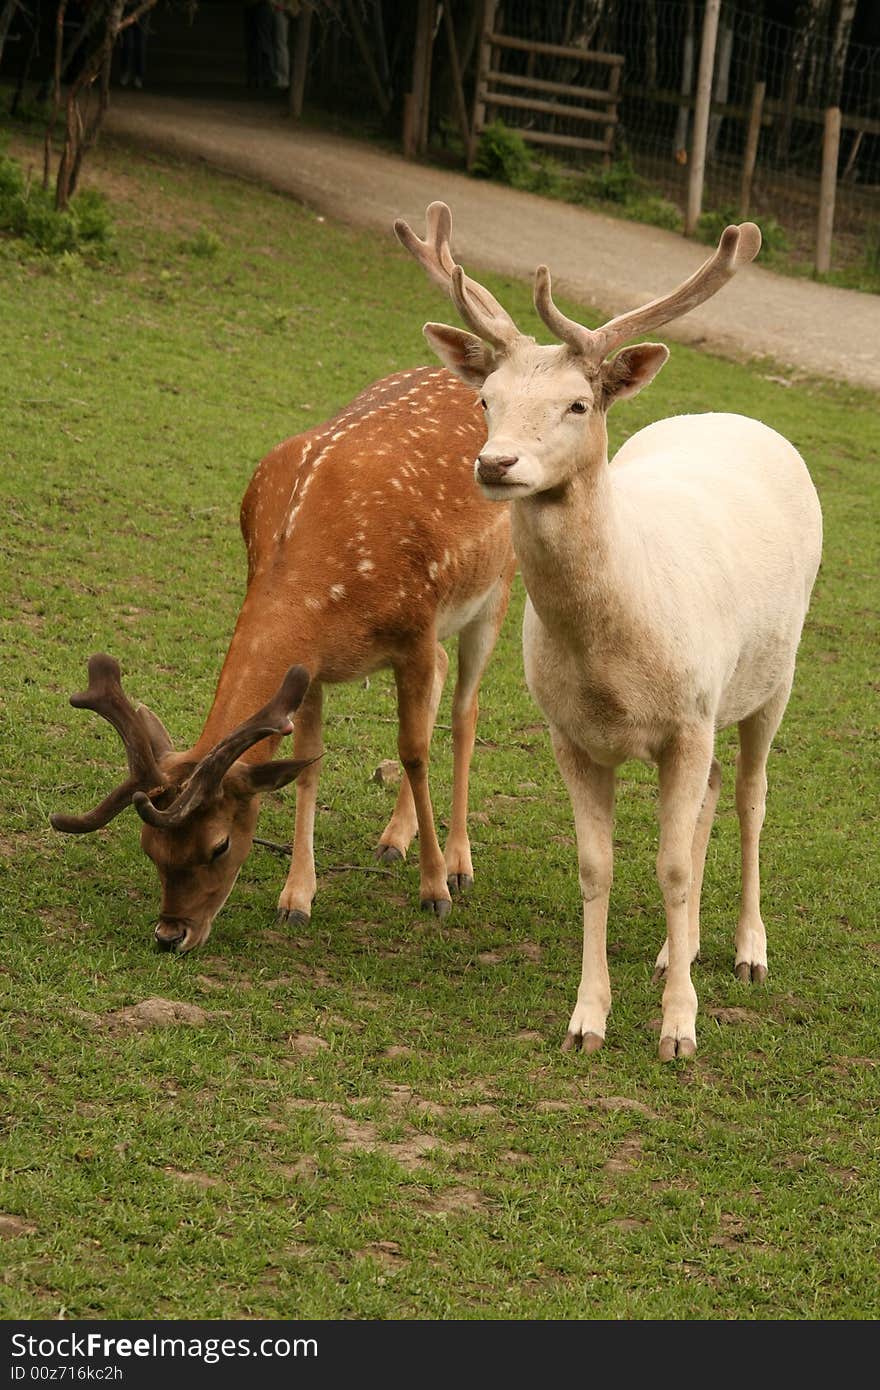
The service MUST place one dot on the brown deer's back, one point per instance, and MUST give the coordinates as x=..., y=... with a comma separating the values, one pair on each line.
x=373, y=521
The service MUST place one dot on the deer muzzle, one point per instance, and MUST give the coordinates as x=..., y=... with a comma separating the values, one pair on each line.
x=493, y=468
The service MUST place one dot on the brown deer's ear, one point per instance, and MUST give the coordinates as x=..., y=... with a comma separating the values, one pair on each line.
x=268, y=777
x=630, y=371
x=463, y=353
x=160, y=739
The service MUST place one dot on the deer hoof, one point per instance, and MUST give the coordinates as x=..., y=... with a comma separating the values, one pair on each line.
x=294, y=918
x=388, y=854
x=441, y=907
x=748, y=973
x=460, y=883
x=672, y=1048
x=581, y=1042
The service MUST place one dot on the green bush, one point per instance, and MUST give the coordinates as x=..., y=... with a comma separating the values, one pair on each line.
x=204, y=244
x=616, y=183
x=503, y=155
x=656, y=211
x=774, y=240
x=872, y=248
x=27, y=212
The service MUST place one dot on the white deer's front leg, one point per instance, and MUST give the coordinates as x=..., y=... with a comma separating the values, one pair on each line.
x=591, y=789
x=684, y=772
x=698, y=865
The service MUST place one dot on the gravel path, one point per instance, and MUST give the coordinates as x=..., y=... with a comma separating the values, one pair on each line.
x=598, y=260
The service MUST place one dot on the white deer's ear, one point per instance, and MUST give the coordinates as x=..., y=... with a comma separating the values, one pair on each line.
x=631, y=370
x=463, y=353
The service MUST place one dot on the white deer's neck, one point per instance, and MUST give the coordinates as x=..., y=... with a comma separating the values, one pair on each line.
x=579, y=561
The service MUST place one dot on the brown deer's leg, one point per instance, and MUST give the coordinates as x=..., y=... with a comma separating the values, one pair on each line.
x=295, y=902
x=398, y=834
x=475, y=645
x=416, y=678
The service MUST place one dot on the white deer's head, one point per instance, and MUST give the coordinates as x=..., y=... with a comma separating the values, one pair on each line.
x=545, y=406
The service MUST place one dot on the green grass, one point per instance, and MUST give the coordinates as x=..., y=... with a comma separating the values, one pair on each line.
x=216, y=1170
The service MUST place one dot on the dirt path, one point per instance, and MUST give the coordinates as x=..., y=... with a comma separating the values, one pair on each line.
x=598, y=260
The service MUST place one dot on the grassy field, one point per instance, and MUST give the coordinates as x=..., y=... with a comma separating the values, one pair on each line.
x=372, y=1119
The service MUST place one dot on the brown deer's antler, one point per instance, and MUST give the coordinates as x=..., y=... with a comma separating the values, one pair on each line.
x=737, y=246
x=204, y=783
x=479, y=309
x=142, y=740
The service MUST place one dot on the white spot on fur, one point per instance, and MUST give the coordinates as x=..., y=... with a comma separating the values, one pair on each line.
x=365, y=566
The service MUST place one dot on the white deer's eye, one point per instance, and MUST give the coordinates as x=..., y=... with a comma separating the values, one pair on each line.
x=578, y=407
x=483, y=403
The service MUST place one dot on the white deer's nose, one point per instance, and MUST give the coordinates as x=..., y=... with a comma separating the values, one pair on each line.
x=492, y=468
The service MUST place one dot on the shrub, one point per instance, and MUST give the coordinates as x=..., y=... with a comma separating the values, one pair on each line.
x=503, y=155
x=27, y=212
x=774, y=239
x=618, y=183
x=205, y=244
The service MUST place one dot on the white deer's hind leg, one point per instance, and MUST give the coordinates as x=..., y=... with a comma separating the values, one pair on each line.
x=755, y=737
x=401, y=830
x=591, y=789
x=684, y=773
x=698, y=865
x=475, y=644
x=295, y=902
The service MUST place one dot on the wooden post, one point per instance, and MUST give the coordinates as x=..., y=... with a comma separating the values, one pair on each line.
x=828, y=189
x=383, y=101
x=302, y=31
x=484, y=66
x=455, y=69
x=613, y=90
x=753, y=135
x=701, y=116
x=415, y=100
x=428, y=61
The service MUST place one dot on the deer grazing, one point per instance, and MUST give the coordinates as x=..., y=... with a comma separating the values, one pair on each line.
x=666, y=589
x=368, y=544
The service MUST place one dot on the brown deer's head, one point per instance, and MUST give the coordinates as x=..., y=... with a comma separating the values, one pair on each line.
x=199, y=815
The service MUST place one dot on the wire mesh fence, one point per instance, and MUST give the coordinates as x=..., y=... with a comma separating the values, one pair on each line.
x=772, y=79
x=607, y=88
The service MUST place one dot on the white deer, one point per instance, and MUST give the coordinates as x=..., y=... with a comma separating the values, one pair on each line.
x=667, y=590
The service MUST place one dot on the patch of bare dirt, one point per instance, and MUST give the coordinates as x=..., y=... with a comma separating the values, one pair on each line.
x=155, y=1013
x=385, y=1252
x=627, y=1156
x=307, y=1044
x=305, y=1167
x=12, y=1226
x=620, y=1103
x=396, y=1050
x=734, y=1015
x=527, y=1035
x=628, y=1223
x=452, y=1201
x=202, y=1180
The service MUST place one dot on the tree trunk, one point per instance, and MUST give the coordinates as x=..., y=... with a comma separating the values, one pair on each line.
x=839, y=48
x=809, y=24
x=680, y=139
x=651, y=44
x=7, y=14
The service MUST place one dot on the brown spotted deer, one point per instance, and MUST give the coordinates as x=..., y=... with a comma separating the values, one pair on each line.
x=368, y=544
x=667, y=591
